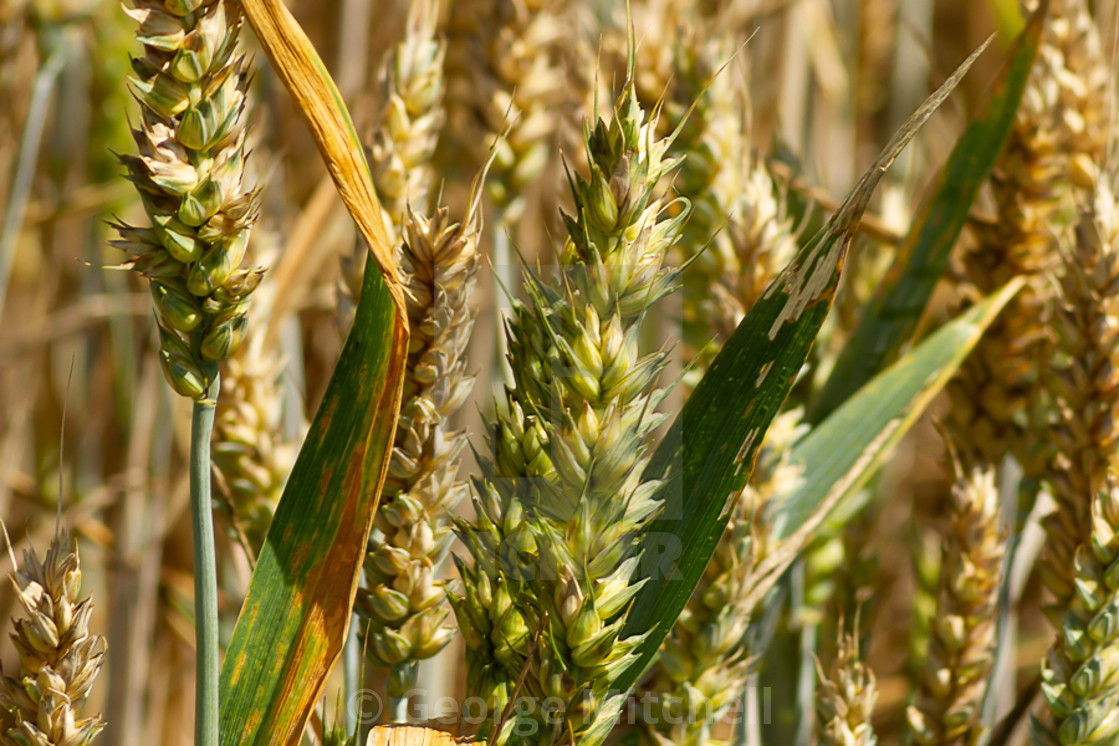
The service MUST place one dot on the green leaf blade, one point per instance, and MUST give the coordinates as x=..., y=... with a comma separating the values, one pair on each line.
x=710, y=449
x=297, y=612
x=895, y=310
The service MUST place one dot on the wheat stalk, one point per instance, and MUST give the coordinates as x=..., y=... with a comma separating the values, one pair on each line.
x=189, y=173
x=561, y=505
x=401, y=600
x=962, y=634
x=58, y=658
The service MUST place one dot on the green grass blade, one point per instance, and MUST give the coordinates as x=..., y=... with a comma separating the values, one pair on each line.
x=709, y=451
x=295, y=619
x=892, y=315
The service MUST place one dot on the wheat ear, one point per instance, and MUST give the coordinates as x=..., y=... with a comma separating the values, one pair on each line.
x=401, y=599
x=1080, y=673
x=1085, y=389
x=189, y=173
x=737, y=238
x=507, y=80
x=562, y=505
x=962, y=635
x=1055, y=133
x=58, y=657
x=846, y=699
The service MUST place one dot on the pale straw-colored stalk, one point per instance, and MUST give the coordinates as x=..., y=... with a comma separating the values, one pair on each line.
x=40, y=705
x=960, y=655
x=561, y=506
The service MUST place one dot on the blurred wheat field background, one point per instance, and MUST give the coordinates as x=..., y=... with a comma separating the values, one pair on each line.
x=899, y=612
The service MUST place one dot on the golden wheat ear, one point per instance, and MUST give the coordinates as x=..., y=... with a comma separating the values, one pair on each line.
x=58, y=657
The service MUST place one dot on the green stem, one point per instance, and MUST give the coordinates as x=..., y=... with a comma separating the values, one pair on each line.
x=205, y=571
x=351, y=676
x=402, y=678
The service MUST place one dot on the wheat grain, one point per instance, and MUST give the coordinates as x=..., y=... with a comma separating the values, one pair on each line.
x=58, y=658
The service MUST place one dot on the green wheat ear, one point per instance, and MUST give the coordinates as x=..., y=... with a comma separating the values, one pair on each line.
x=563, y=494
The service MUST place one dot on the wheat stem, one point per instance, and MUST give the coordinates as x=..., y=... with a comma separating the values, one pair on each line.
x=205, y=572
x=28, y=157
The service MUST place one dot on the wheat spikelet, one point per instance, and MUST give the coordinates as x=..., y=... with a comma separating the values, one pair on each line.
x=1031, y=187
x=1085, y=388
x=189, y=173
x=58, y=658
x=401, y=600
x=962, y=634
x=703, y=661
x=1080, y=673
x=846, y=699
x=561, y=506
